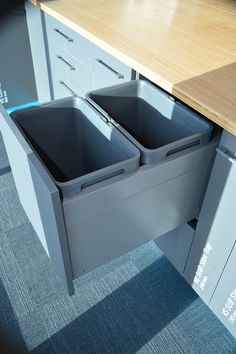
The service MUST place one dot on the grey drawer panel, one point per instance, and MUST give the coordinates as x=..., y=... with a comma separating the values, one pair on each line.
x=80, y=77
x=35, y=26
x=57, y=67
x=70, y=41
x=49, y=203
x=39, y=197
x=207, y=257
x=66, y=68
x=18, y=153
x=62, y=88
x=223, y=303
x=124, y=224
x=176, y=245
x=143, y=206
x=4, y=163
x=109, y=70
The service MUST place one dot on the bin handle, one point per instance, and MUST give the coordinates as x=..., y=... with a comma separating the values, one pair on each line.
x=183, y=147
x=95, y=180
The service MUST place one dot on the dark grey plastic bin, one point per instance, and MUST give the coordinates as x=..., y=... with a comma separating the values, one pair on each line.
x=74, y=143
x=150, y=119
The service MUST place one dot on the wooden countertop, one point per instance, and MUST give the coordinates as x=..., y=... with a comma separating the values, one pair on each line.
x=188, y=47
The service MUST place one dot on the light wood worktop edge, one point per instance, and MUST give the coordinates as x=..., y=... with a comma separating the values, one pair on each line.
x=173, y=89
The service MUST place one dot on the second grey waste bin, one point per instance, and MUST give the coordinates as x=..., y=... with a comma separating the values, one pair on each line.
x=157, y=125
x=75, y=145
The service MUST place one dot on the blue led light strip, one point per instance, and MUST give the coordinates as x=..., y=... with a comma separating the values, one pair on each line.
x=10, y=110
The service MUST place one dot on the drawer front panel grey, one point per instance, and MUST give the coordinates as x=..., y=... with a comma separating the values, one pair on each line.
x=80, y=76
x=62, y=88
x=18, y=154
x=35, y=23
x=216, y=227
x=4, y=163
x=66, y=68
x=70, y=41
x=109, y=70
x=176, y=245
x=49, y=203
x=120, y=225
x=223, y=302
x=57, y=67
x=60, y=68
x=39, y=197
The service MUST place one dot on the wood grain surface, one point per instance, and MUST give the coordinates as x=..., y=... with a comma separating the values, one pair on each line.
x=187, y=47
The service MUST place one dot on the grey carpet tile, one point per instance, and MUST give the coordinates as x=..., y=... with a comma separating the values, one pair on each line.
x=108, y=267
x=205, y=337
x=165, y=344
x=4, y=163
x=58, y=314
x=12, y=278
x=33, y=330
x=38, y=274
x=46, y=347
x=11, y=212
x=95, y=290
x=144, y=256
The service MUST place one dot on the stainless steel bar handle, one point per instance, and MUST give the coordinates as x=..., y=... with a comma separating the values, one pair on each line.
x=71, y=67
x=63, y=35
x=119, y=75
x=67, y=88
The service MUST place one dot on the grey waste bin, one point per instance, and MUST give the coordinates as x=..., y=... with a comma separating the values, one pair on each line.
x=75, y=145
x=155, y=123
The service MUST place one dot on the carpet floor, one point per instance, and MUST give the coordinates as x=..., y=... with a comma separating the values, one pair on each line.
x=137, y=303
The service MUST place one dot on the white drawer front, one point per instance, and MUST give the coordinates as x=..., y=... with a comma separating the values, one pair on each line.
x=70, y=41
x=109, y=70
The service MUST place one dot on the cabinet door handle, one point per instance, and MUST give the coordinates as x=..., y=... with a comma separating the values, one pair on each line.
x=63, y=35
x=119, y=75
x=65, y=62
x=67, y=88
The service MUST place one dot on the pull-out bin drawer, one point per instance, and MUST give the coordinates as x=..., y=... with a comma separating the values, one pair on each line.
x=81, y=185
x=156, y=124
